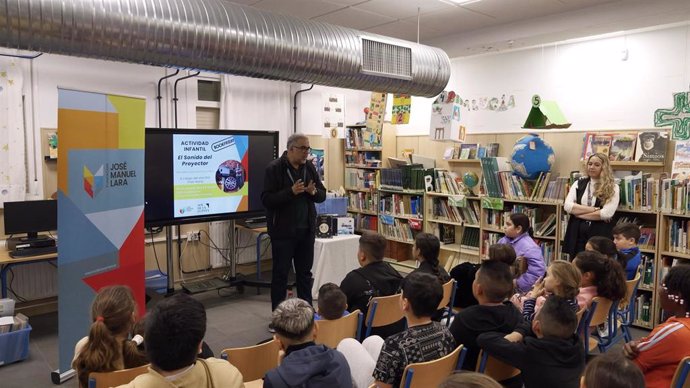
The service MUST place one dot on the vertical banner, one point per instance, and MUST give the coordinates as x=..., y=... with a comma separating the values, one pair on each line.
x=100, y=206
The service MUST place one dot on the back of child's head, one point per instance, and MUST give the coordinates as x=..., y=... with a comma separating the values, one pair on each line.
x=556, y=318
x=332, y=301
x=502, y=252
x=521, y=220
x=429, y=247
x=465, y=379
x=112, y=314
x=175, y=328
x=495, y=279
x=608, y=275
x=568, y=278
x=627, y=230
x=603, y=245
x=677, y=286
x=423, y=292
x=293, y=320
x=612, y=370
x=373, y=245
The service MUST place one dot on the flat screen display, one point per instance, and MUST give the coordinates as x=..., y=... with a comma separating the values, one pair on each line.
x=30, y=217
x=205, y=175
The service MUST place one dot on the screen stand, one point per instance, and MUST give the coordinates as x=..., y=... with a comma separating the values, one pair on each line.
x=169, y=260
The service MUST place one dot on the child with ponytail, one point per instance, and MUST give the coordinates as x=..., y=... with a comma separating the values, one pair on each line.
x=601, y=276
x=425, y=250
x=518, y=233
x=108, y=346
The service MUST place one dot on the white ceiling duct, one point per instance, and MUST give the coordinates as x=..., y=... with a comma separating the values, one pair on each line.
x=215, y=35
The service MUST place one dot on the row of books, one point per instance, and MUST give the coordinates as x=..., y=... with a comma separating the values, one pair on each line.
x=362, y=201
x=441, y=210
x=678, y=235
x=363, y=158
x=447, y=182
x=470, y=239
x=647, y=146
x=548, y=250
x=675, y=195
x=474, y=151
x=408, y=177
x=364, y=222
x=359, y=138
x=360, y=179
x=639, y=191
x=397, y=229
x=549, y=188
x=643, y=310
x=402, y=205
x=18, y=322
x=647, y=271
x=540, y=226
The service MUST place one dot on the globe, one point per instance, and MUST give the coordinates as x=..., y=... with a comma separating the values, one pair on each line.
x=470, y=179
x=531, y=156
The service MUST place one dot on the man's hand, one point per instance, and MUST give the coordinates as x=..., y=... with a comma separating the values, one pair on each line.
x=514, y=337
x=630, y=350
x=311, y=188
x=298, y=187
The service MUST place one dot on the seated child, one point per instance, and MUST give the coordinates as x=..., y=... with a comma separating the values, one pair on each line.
x=425, y=250
x=303, y=362
x=464, y=273
x=175, y=330
x=332, y=303
x=603, y=245
x=554, y=358
x=612, y=370
x=658, y=354
x=601, y=276
x=108, y=347
x=492, y=286
x=625, y=236
x=518, y=233
x=424, y=340
x=562, y=279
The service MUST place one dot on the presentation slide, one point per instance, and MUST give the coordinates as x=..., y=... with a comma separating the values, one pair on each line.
x=210, y=174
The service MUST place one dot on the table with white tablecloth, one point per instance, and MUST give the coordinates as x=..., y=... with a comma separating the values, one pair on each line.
x=333, y=259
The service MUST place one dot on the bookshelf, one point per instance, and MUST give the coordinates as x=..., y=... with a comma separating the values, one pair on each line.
x=674, y=249
x=455, y=220
x=401, y=217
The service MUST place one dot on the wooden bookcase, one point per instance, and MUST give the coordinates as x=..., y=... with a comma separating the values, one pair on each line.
x=674, y=249
x=463, y=223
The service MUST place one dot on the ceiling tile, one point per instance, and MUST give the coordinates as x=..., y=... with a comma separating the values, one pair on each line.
x=403, y=30
x=304, y=9
x=355, y=18
x=403, y=9
x=456, y=20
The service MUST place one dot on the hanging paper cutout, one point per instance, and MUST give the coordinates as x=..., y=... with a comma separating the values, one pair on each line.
x=402, y=104
x=678, y=118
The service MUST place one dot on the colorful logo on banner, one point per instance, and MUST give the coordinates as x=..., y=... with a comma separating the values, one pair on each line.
x=100, y=206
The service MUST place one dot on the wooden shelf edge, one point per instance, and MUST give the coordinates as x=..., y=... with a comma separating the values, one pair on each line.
x=676, y=254
x=468, y=161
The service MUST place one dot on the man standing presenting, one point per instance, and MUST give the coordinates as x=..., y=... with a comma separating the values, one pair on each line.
x=291, y=187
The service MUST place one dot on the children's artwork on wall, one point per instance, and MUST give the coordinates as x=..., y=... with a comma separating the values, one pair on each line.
x=445, y=117
x=500, y=103
x=52, y=145
x=333, y=116
x=678, y=117
x=545, y=115
x=377, y=109
x=402, y=104
x=317, y=157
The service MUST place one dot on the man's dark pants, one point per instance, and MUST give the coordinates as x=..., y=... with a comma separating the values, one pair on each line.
x=301, y=248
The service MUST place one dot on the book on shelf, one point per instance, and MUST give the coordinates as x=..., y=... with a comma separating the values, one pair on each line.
x=647, y=238
x=360, y=179
x=492, y=150
x=647, y=270
x=470, y=239
x=596, y=143
x=651, y=146
x=640, y=191
x=468, y=151
x=366, y=222
x=490, y=169
x=623, y=147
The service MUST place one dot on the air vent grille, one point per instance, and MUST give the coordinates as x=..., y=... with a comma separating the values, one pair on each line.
x=386, y=59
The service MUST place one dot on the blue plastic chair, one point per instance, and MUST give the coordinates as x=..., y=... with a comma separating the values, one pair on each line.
x=680, y=378
x=596, y=316
x=383, y=310
x=432, y=373
x=495, y=368
x=448, y=300
x=627, y=312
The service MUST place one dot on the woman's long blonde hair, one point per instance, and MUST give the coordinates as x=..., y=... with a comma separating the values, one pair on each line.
x=604, y=190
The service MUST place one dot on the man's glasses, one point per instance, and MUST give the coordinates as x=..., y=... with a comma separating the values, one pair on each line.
x=303, y=148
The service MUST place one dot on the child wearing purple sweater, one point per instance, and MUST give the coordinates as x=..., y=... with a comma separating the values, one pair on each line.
x=517, y=233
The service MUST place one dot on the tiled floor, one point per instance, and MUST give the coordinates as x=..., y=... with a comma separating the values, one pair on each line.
x=233, y=320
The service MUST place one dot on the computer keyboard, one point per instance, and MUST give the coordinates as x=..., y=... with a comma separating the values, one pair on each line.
x=33, y=252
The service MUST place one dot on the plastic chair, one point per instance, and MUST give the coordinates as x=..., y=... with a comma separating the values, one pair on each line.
x=626, y=309
x=383, y=310
x=115, y=378
x=680, y=378
x=448, y=300
x=601, y=311
x=432, y=373
x=253, y=361
x=494, y=368
x=331, y=332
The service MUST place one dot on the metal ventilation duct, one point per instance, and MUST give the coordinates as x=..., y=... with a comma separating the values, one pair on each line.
x=215, y=35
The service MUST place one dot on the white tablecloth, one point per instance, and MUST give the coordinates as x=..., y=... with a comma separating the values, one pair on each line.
x=333, y=259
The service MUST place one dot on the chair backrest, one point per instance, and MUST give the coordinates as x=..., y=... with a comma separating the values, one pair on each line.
x=118, y=377
x=626, y=307
x=253, y=361
x=432, y=373
x=448, y=294
x=680, y=378
x=601, y=311
x=383, y=310
x=331, y=332
x=494, y=368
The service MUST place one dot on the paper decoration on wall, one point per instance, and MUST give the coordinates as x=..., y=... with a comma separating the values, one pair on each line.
x=496, y=104
x=545, y=115
x=402, y=104
x=317, y=157
x=52, y=145
x=678, y=118
x=333, y=116
x=445, y=118
x=377, y=109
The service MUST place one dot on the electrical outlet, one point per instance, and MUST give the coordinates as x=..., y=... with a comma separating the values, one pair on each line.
x=194, y=235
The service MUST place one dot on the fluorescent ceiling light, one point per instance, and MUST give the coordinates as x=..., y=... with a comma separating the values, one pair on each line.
x=461, y=2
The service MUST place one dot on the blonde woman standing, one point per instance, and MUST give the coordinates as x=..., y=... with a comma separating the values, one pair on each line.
x=591, y=203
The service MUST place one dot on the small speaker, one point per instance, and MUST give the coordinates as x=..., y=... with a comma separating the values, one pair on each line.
x=428, y=183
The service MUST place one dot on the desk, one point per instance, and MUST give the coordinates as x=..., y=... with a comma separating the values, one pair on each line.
x=333, y=259
x=6, y=263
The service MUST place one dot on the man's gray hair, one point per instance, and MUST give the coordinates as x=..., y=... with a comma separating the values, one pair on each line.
x=294, y=138
x=293, y=319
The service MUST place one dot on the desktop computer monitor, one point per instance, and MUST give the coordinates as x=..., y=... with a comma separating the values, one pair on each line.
x=30, y=217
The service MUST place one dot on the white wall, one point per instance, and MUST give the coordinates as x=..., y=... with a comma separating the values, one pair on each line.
x=593, y=86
